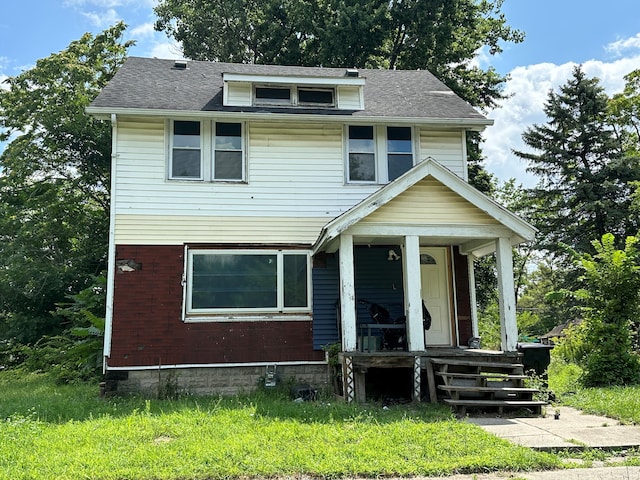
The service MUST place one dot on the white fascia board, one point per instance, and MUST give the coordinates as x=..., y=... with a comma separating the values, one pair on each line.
x=104, y=113
x=292, y=79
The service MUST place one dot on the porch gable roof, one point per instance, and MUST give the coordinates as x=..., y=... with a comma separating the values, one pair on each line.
x=518, y=230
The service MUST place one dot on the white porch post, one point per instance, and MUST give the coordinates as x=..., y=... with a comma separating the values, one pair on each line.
x=412, y=292
x=506, y=295
x=347, y=294
x=472, y=296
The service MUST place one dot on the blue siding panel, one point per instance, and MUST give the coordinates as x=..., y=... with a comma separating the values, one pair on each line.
x=376, y=280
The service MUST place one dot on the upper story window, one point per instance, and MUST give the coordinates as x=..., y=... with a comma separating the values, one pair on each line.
x=377, y=154
x=362, y=154
x=206, y=151
x=186, y=151
x=399, y=151
x=290, y=95
x=316, y=96
x=228, y=162
x=273, y=95
x=247, y=281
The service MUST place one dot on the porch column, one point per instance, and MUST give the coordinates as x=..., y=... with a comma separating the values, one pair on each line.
x=412, y=293
x=506, y=295
x=472, y=295
x=347, y=294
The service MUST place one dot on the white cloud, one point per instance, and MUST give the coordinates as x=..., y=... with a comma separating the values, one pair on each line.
x=167, y=50
x=145, y=30
x=621, y=46
x=528, y=89
x=103, y=19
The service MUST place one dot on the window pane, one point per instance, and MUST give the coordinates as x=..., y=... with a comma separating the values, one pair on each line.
x=186, y=128
x=315, y=96
x=234, y=281
x=228, y=143
x=186, y=134
x=185, y=163
x=362, y=167
x=399, y=164
x=228, y=129
x=295, y=280
x=279, y=95
x=399, y=140
x=363, y=145
x=360, y=132
x=228, y=166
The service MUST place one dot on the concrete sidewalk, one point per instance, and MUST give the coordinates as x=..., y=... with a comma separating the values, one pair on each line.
x=573, y=431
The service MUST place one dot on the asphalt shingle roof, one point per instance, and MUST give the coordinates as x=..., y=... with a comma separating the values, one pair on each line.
x=150, y=83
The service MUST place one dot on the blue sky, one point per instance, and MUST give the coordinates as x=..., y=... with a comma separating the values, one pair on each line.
x=603, y=36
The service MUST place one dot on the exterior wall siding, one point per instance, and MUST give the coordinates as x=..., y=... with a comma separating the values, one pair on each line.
x=148, y=329
x=284, y=193
x=429, y=202
x=446, y=147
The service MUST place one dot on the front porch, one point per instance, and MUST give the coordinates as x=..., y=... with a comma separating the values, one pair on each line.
x=463, y=378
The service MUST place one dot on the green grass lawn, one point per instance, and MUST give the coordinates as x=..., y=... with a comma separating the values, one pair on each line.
x=68, y=432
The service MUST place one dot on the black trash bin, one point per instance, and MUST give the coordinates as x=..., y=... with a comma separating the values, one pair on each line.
x=536, y=357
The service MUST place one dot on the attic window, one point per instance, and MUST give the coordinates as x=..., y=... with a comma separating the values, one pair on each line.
x=273, y=95
x=315, y=96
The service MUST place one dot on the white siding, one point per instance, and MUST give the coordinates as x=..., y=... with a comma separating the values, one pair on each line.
x=429, y=203
x=295, y=185
x=178, y=229
x=446, y=147
x=237, y=94
x=350, y=98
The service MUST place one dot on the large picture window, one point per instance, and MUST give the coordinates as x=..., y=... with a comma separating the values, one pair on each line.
x=255, y=281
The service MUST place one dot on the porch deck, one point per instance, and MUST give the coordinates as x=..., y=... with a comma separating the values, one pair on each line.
x=456, y=376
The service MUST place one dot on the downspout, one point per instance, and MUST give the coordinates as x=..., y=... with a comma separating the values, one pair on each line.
x=111, y=261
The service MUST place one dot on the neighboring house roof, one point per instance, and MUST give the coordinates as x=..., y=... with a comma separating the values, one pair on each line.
x=521, y=230
x=149, y=84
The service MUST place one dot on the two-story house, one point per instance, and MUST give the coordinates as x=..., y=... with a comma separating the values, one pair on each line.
x=254, y=208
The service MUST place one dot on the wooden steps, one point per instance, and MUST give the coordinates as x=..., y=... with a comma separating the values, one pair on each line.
x=480, y=384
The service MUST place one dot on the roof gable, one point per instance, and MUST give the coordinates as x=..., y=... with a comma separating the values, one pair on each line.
x=453, y=201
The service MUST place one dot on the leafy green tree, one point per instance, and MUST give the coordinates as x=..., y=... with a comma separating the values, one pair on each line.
x=611, y=292
x=586, y=180
x=54, y=183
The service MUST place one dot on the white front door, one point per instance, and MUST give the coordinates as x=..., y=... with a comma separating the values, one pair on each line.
x=435, y=293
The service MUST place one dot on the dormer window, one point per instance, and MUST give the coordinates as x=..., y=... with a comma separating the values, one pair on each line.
x=273, y=96
x=290, y=95
x=316, y=96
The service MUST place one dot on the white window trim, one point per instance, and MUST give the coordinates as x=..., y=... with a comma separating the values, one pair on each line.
x=243, y=143
x=248, y=314
x=170, y=155
x=207, y=151
x=381, y=152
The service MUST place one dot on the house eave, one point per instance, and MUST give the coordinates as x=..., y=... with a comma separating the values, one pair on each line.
x=332, y=116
